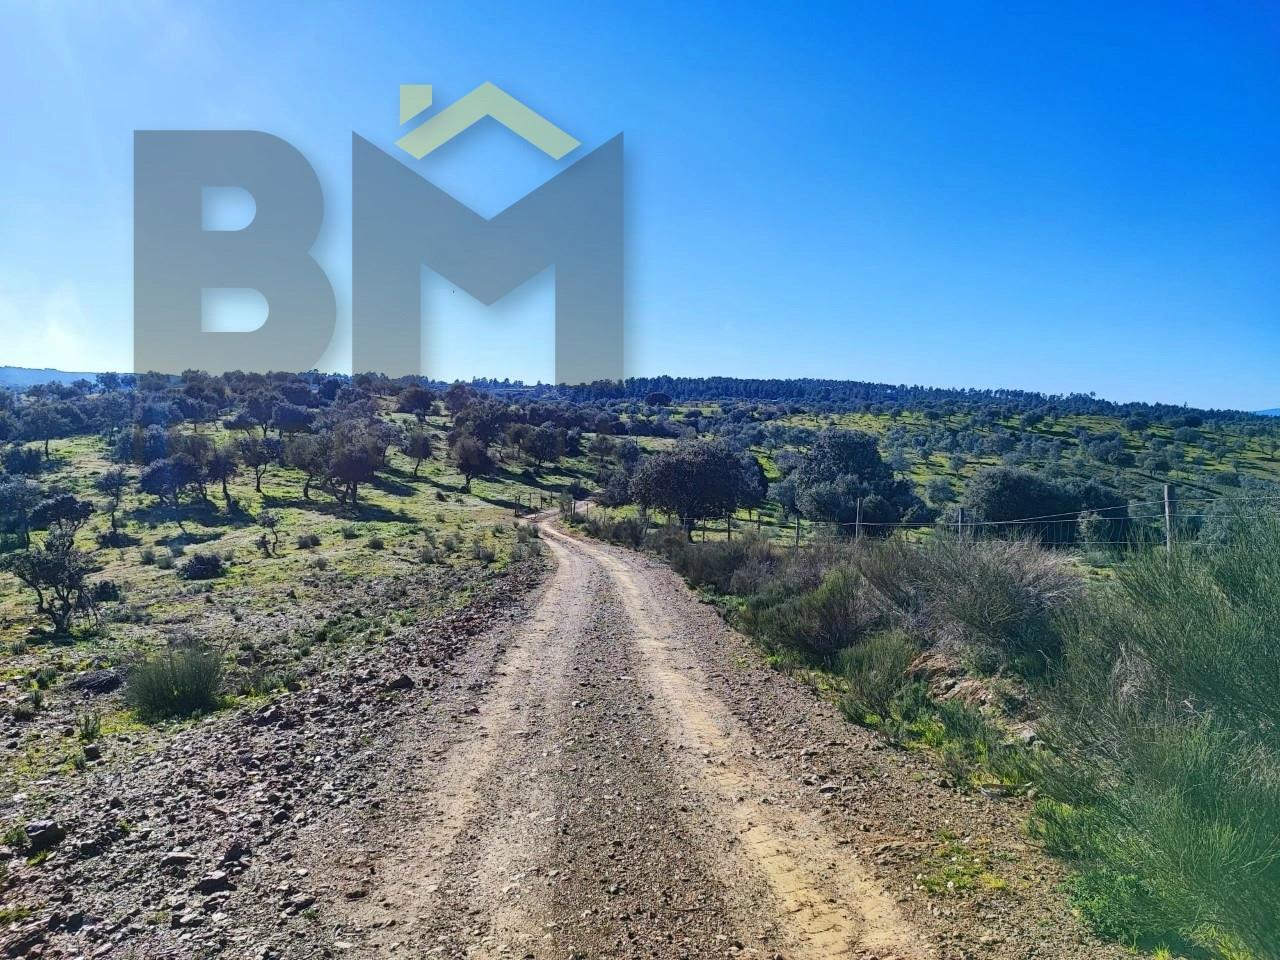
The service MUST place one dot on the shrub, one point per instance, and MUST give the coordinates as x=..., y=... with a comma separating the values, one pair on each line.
x=105, y=591
x=713, y=563
x=527, y=550
x=350, y=533
x=377, y=543
x=165, y=561
x=308, y=541
x=1162, y=723
x=835, y=615
x=428, y=555
x=875, y=672
x=1117, y=906
x=147, y=556
x=89, y=726
x=1001, y=594
x=629, y=531
x=482, y=552
x=183, y=681
x=201, y=566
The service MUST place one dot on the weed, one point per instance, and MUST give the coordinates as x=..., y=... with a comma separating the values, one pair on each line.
x=89, y=726
x=183, y=681
x=875, y=673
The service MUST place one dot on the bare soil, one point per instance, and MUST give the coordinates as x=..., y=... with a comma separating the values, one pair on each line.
x=588, y=764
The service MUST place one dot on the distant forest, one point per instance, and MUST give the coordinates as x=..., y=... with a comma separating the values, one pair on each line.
x=853, y=395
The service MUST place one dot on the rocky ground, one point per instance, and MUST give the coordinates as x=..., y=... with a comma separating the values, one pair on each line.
x=598, y=767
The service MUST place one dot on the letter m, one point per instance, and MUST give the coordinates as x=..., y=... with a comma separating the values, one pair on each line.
x=572, y=222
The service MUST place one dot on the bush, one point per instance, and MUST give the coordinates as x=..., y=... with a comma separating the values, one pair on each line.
x=308, y=541
x=105, y=591
x=629, y=531
x=837, y=614
x=377, y=543
x=89, y=726
x=1118, y=906
x=526, y=550
x=202, y=566
x=1001, y=595
x=183, y=681
x=350, y=533
x=875, y=672
x=710, y=563
x=482, y=552
x=147, y=556
x=165, y=561
x=1162, y=722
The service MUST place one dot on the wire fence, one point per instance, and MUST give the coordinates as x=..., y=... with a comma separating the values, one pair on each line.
x=1164, y=521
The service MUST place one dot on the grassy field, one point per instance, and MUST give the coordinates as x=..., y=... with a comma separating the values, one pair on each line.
x=274, y=612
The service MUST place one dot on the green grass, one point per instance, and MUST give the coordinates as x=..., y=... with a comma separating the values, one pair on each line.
x=955, y=867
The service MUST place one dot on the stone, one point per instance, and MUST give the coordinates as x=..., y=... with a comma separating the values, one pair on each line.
x=43, y=835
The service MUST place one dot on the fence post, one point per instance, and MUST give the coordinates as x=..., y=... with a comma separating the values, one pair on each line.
x=1169, y=507
x=728, y=527
x=857, y=522
x=959, y=522
x=797, y=531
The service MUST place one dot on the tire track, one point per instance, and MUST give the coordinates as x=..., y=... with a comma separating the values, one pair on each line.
x=829, y=904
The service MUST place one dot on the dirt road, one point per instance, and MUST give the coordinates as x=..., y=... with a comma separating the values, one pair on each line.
x=620, y=775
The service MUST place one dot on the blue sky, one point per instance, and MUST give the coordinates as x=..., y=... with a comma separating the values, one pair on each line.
x=1059, y=196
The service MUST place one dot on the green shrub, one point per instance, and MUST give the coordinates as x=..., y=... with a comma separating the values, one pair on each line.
x=183, y=681
x=350, y=533
x=482, y=552
x=201, y=566
x=147, y=556
x=308, y=541
x=1004, y=594
x=997, y=600
x=1118, y=906
x=838, y=613
x=165, y=561
x=377, y=543
x=1063, y=830
x=709, y=563
x=1162, y=725
x=89, y=726
x=629, y=531
x=875, y=673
